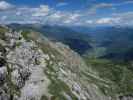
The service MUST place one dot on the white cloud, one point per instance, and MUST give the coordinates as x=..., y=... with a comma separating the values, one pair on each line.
x=45, y=14
x=62, y=17
x=18, y=13
x=126, y=17
x=94, y=8
x=128, y=2
x=98, y=6
x=3, y=18
x=61, y=4
x=104, y=21
x=101, y=5
x=89, y=22
x=43, y=10
x=71, y=18
x=74, y=16
x=108, y=21
x=5, y=5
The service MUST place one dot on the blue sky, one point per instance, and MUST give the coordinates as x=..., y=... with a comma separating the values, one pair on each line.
x=67, y=12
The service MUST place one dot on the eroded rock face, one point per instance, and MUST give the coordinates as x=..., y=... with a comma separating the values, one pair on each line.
x=38, y=69
x=20, y=74
x=126, y=97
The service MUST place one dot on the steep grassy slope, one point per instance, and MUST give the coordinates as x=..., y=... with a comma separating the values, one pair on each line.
x=120, y=74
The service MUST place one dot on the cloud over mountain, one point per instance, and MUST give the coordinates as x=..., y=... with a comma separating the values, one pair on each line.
x=5, y=5
x=95, y=14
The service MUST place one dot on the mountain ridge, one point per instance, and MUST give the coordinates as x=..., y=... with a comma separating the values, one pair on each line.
x=51, y=71
x=54, y=71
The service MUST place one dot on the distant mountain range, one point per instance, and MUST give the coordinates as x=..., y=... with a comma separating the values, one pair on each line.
x=117, y=41
x=76, y=40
